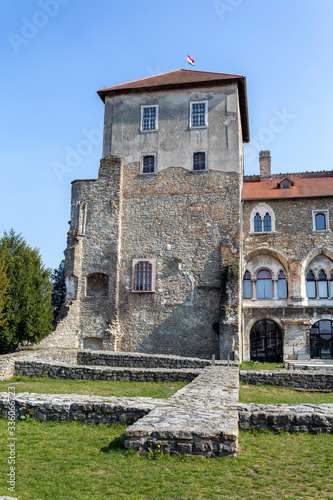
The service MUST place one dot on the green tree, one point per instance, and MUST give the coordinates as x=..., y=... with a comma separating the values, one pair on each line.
x=4, y=282
x=27, y=311
x=59, y=288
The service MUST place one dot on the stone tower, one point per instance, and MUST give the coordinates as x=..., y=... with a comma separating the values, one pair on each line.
x=153, y=255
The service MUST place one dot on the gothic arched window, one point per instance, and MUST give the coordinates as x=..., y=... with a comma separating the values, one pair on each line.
x=282, y=291
x=257, y=224
x=322, y=285
x=310, y=285
x=267, y=223
x=247, y=286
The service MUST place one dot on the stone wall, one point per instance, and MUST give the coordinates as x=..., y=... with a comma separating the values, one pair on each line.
x=7, y=361
x=73, y=407
x=291, y=246
x=290, y=418
x=137, y=360
x=295, y=378
x=188, y=222
x=65, y=371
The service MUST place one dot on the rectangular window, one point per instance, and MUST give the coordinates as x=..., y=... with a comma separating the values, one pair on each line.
x=311, y=289
x=199, y=161
x=143, y=275
x=264, y=289
x=149, y=117
x=247, y=289
x=322, y=289
x=148, y=164
x=198, y=114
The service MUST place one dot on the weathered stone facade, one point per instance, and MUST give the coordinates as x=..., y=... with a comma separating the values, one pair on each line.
x=294, y=245
x=185, y=222
x=197, y=238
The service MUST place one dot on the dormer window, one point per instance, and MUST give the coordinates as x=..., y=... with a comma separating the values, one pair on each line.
x=285, y=183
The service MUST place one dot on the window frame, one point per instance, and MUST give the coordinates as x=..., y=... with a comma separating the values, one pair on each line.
x=154, y=155
x=156, y=118
x=206, y=161
x=324, y=212
x=153, y=273
x=205, y=102
x=262, y=209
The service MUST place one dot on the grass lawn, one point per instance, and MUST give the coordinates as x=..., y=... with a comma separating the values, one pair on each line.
x=78, y=462
x=255, y=365
x=270, y=394
x=43, y=385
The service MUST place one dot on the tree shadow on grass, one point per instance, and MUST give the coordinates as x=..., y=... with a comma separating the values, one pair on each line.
x=117, y=445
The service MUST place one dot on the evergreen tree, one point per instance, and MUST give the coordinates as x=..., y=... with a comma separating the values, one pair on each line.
x=3, y=289
x=27, y=311
x=59, y=288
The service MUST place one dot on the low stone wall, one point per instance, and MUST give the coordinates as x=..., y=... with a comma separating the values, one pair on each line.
x=138, y=360
x=291, y=378
x=292, y=418
x=66, y=371
x=73, y=407
x=7, y=361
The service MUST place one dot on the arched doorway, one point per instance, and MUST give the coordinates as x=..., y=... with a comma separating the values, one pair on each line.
x=266, y=342
x=321, y=336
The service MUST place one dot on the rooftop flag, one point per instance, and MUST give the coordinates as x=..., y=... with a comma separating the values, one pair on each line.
x=190, y=61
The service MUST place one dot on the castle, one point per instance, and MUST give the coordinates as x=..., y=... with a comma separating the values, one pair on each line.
x=172, y=250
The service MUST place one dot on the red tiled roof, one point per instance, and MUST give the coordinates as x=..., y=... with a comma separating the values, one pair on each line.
x=178, y=77
x=184, y=78
x=304, y=187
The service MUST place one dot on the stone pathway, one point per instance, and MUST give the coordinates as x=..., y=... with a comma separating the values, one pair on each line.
x=196, y=420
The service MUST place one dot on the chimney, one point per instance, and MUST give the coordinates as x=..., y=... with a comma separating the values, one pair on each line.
x=265, y=165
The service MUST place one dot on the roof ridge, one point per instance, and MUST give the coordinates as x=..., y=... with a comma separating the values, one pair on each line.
x=139, y=79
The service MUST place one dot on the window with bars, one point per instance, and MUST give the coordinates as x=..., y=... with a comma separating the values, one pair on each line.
x=143, y=275
x=149, y=115
x=199, y=161
x=199, y=114
x=148, y=164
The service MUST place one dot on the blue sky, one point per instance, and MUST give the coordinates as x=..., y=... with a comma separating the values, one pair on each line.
x=55, y=54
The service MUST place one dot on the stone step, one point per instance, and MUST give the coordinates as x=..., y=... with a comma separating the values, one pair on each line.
x=310, y=365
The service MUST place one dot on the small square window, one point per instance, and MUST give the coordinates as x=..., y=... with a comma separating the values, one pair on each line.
x=149, y=117
x=199, y=161
x=143, y=275
x=198, y=114
x=148, y=164
x=320, y=220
